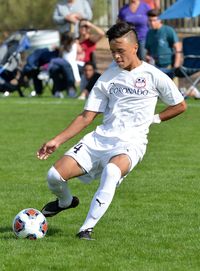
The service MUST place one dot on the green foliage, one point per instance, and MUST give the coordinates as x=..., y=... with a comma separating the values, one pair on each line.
x=26, y=14
x=36, y=14
x=153, y=222
x=100, y=9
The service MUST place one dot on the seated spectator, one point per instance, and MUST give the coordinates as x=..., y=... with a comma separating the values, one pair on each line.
x=68, y=13
x=32, y=68
x=9, y=83
x=64, y=69
x=88, y=80
x=60, y=64
x=69, y=53
x=89, y=35
x=10, y=62
x=162, y=44
x=63, y=78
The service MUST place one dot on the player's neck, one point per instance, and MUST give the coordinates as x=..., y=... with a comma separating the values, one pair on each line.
x=136, y=63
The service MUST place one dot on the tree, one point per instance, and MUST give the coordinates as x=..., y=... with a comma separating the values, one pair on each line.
x=26, y=14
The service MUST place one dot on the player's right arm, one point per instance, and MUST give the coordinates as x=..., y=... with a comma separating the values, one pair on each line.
x=76, y=126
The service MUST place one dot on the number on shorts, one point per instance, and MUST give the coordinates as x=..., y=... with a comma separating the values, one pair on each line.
x=78, y=147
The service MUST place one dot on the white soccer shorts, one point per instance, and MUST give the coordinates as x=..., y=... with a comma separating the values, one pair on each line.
x=94, y=152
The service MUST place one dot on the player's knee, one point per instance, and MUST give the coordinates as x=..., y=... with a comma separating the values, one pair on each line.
x=112, y=173
x=53, y=176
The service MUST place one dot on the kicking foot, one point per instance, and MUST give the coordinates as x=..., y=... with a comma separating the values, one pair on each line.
x=52, y=208
x=85, y=235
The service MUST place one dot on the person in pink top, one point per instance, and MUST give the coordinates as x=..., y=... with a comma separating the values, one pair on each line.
x=154, y=4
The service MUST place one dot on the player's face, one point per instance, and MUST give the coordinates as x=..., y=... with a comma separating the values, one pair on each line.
x=124, y=52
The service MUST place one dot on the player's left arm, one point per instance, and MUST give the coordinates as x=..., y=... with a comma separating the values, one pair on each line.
x=171, y=96
x=173, y=111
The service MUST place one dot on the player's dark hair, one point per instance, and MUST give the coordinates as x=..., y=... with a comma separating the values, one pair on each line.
x=120, y=29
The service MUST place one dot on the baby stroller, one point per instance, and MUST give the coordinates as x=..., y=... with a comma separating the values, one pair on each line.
x=11, y=51
x=10, y=59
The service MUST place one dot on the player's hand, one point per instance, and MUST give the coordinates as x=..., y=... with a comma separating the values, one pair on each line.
x=47, y=149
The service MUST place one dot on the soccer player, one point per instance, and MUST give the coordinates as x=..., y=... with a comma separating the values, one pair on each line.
x=126, y=94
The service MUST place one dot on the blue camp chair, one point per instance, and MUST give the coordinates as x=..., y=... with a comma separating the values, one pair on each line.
x=191, y=62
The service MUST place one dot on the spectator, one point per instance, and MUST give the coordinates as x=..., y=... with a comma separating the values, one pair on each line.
x=136, y=13
x=87, y=42
x=9, y=83
x=70, y=49
x=88, y=80
x=154, y=4
x=91, y=2
x=32, y=68
x=68, y=13
x=56, y=63
x=63, y=78
x=162, y=43
x=64, y=69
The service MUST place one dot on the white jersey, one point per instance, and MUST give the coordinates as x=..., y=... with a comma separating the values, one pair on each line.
x=128, y=100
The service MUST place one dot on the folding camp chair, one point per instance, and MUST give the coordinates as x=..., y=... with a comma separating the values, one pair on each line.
x=191, y=62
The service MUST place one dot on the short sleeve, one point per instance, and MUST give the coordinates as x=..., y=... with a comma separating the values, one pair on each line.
x=173, y=38
x=168, y=91
x=97, y=100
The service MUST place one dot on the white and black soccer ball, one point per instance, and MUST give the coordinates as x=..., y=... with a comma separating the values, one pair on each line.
x=30, y=223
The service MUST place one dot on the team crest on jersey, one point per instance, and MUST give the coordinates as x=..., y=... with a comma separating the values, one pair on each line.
x=140, y=82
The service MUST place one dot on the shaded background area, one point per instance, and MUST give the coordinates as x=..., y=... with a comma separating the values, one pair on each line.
x=20, y=14
x=17, y=14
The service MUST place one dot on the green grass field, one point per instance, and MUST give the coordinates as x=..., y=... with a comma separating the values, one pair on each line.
x=153, y=223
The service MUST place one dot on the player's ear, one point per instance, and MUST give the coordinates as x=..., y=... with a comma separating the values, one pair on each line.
x=136, y=46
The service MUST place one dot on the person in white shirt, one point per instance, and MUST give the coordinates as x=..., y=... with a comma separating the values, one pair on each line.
x=70, y=49
x=63, y=69
x=126, y=94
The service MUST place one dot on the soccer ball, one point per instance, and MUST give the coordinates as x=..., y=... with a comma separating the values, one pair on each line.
x=30, y=223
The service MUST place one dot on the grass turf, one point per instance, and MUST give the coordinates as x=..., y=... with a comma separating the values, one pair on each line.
x=153, y=222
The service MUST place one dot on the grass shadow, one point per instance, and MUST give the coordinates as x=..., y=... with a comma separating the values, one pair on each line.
x=53, y=231
x=5, y=229
x=6, y=233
